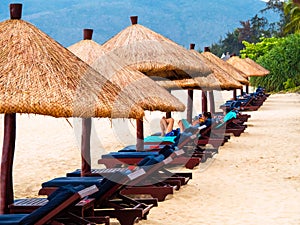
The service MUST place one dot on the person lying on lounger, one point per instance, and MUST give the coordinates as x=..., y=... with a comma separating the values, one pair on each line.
x=201, y=122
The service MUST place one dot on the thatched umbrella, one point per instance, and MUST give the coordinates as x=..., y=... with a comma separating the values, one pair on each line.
x=231, y=70
x=219, y=79
x=235, y=73
x=140, y=88
x=248, y=67
x=205, y=84
x=225, y=79
x=245, y=67
x=153, y=54
x=259, y=67
x=40, y=76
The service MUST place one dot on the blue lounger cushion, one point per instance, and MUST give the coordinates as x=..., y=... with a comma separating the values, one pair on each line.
x=129, y=148
x=75, y=181
x=129, y=154
x=160, y=139
x=166, y=151
x=132, y=148
x=11, y=219
x=151, y=160
x=55, y=199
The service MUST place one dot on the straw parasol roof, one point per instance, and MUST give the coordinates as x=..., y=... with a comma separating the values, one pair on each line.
x=153, y=54
x=219, y=79
x=40, y=76
x=235, y=73
x=224, y=79
x=198, y=83
x=141, y=89
x=256, y=65
x=246, y=68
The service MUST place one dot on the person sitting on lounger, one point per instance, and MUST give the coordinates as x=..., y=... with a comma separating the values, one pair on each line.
x=166, y=125
x=200, y=123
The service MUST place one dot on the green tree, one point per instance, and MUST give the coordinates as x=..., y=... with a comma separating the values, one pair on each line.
x=282, y=60
x=292, y=11
x=255, y=50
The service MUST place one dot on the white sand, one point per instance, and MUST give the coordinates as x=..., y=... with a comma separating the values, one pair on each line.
x=255, y=178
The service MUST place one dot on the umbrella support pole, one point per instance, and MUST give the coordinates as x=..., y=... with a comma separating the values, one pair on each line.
x=140, y=135
x=204, y=101
x=189, y=111
x=234, y=94
x=247, y=89
x=8, y=150
x=212, y=102
x=86, y=147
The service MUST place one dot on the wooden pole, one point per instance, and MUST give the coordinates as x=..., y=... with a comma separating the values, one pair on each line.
x=247, y=88
x=204, y=101
x=189, y=112
x=86, y=147
x=169, y=114
x=8, y=150
x=211, y=102
x=140, y=135
x=234, y=94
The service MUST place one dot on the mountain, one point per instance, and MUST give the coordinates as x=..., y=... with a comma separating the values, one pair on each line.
x=202, y=22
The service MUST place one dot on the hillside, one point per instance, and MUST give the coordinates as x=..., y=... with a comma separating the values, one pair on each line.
x=199, y=21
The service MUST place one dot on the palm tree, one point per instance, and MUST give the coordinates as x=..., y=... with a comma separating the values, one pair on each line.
x=292, y=10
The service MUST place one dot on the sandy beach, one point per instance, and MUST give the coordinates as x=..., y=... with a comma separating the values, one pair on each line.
x=254, y=179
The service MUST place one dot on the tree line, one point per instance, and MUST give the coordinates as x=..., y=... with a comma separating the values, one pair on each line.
x=274, y=45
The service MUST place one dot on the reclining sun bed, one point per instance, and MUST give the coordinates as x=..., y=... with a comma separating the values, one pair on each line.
x=155, y=143
x=117, y=159
x=108, y=200
x=57, y=209
x=157, y=181
x=248, y=102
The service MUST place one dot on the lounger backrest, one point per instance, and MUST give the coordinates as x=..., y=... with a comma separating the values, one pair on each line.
x=151, y=160
x=166, y=151
x=110, y=185
x=59, y=200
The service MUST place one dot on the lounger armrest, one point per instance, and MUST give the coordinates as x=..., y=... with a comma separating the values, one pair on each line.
x=88, y=191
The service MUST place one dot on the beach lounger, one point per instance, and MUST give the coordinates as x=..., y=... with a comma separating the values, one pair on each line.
x=157, y=181
x=165, y=176
x=229, y=127
x=118, y=159
x=248, y=102
x=108, y=200
x=57, y=209
x=193, y=150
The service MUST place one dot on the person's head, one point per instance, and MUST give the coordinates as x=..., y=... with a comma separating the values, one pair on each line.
x=206, y=115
